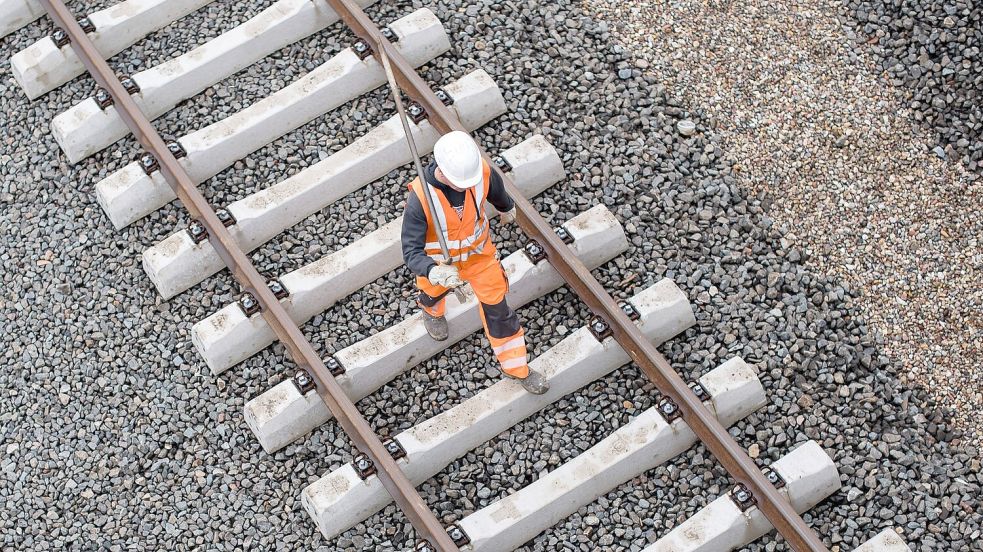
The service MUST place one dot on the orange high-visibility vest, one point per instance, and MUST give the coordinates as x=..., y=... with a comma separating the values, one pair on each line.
x=466, y=235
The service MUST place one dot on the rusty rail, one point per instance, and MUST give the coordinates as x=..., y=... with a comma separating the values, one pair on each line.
x=714, y=436
x=299, y=349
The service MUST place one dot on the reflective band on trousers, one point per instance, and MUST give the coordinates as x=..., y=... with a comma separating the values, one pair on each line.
x=510, y=344
x=513, y=363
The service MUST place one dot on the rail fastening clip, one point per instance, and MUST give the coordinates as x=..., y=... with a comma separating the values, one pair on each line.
x=700, y=391
x=669, y=409
x=363, y=466
x=534, y=251
x=60, y=38
x=249, y=304
x=225, y=217
x=130, y=85
x=197, y=231
x=773, y=477
x=599, y=328
x=742, y=497
x=457, y=534
x=362, y=49
x=304, y=382
x=395, y=449
x=86, y=25
x=443, y=96
x=334, y=366
x=149, y=163
x=564, y=235
x=176, y=149
x=278, y=289
x=416, y=112
x=103, y=98
x=502, y=163
x=630, y=310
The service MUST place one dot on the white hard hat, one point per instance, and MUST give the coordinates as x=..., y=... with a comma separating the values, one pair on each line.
x=458, y=158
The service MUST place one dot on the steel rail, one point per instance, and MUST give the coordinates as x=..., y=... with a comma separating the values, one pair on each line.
x=300, y=350
x=714, y=436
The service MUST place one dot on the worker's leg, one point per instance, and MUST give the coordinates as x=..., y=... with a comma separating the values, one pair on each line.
x=431, y=300
x=502, y=327
x=507, y=338
x=431, y=297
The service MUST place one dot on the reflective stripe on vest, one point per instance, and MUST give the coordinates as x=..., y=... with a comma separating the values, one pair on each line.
x=460, y=247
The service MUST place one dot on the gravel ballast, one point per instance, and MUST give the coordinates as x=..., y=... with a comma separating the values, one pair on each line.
x=837, y=157
x=933, y=53
x=115, y=435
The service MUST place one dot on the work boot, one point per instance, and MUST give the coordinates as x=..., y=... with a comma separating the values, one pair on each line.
x=436, y=326
x=534, y=383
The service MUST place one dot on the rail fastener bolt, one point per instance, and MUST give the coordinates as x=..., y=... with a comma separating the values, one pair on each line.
x=86, y=25
x=502, y=163
x=457, y=534
x=564, y=235
x=535, y=252
x=278, y=289
x=129, y=85
x=249, y=304
x=225, y=217
x=60, y=38
x=176, y=149
x=416, y=112
x=103, y=98
x=599, y=328
x=197, y=231
x=669, y=409
x=334, y=366
x=630, y=311
x=443, y=96
x=394, y=448
x=304, y=382
x=773, y=477
x=700, y=391
x=363, y=466
x=742, y=497
x=362, y=49
x=149, y=163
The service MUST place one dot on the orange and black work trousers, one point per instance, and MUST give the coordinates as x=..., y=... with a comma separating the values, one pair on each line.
x=487, y=279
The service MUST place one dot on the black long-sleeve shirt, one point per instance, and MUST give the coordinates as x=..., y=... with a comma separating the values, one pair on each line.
x=414, y=232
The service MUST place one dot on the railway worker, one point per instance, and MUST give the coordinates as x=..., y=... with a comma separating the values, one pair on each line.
x=460, y=183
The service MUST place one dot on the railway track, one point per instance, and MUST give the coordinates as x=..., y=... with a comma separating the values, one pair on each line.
x=272, y=307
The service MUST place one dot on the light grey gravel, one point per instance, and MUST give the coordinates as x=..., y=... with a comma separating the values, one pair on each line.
x=114, y=435
x=813, y=129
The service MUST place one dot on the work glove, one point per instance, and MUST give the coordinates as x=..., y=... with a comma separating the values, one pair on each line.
x=508, y=217
x=445, y=276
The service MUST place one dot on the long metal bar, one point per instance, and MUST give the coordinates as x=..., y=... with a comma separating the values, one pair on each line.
x=716, y=438
x=427, y=196
x=299, y=349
